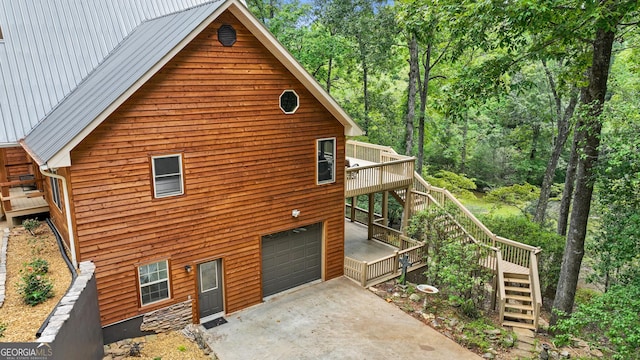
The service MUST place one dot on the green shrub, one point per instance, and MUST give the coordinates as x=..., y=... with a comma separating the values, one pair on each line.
x=521, y=229
x=457, y=184
x=609, y=321
x=3, y=327
x=38, y=266
x=31, y=225
x=35, y=287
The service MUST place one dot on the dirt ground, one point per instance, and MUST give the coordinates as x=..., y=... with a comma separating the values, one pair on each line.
x=22, y=321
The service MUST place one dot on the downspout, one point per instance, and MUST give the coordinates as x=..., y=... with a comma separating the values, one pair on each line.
x=67, y=208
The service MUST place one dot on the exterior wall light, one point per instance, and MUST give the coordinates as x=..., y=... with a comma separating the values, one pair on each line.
x=295, y=213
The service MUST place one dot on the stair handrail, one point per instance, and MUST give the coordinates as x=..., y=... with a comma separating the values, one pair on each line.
x=502, y=294
x=535, y=281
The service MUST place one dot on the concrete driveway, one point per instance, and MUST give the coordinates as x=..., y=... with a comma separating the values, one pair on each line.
x=335, y=319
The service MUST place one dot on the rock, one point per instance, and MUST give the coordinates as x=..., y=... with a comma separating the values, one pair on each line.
x=414, y=297
x=428, y=316
x=508, y=341
x=564, y=354
x=453, y=322
x=488, y=356
x=596, y=353
x=395, y=294
x=492, y=332
x=435, y=323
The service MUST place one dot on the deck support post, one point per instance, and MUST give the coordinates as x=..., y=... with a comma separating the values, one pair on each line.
x=408, y=209
x=385, y=208
x=354, y=203
x=371, y=215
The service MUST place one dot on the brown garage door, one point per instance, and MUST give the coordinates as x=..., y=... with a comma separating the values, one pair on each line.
x=291, y=258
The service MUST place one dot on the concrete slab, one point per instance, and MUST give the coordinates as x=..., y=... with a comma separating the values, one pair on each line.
x=335, y=319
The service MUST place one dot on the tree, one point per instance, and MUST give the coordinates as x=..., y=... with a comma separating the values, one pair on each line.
x=563, y=115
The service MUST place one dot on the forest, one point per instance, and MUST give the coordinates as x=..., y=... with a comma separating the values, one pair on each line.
x=531, y=103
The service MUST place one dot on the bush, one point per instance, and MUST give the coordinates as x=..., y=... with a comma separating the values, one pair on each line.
x=35, y=287
x=609, y=320
x=31, y=225
x=38, y=266
x=521, y=229
x=459, y=185
x=3, y=327
x=453, y=264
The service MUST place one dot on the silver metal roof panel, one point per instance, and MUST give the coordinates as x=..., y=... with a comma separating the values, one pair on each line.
x=50, y=46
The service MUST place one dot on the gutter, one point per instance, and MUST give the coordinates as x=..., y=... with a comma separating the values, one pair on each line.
x=67, y=208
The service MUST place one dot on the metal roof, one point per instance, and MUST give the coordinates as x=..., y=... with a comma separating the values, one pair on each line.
x=125, y=66
x=50, y=46
x=133, y=61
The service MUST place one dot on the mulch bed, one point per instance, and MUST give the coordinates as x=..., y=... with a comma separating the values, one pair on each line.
x=23, y=321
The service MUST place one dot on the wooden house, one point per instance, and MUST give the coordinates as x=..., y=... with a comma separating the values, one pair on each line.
x=188, y=155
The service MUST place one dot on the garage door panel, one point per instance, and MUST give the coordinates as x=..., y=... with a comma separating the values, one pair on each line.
x=291, y=258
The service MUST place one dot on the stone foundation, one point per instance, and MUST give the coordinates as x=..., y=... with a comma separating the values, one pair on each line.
x=174, y=317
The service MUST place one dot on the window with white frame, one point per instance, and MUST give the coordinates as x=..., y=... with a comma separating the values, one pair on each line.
x=167, y=175
x=154, y=282
x=326, y=168
x=55, y=190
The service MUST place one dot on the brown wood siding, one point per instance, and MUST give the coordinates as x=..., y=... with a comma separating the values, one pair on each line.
x=247, y=166
x=58, y=214
x=16, y=163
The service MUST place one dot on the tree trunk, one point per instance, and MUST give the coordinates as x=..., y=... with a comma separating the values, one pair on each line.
x=574, y=249
x=563, y=127
x=414, y=73
x=365, y=85
x=463, y=150
x=329, y=68
x=424, y=91
x=569, y=182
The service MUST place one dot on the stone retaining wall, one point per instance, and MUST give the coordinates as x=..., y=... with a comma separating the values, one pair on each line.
x=74, y=328
x=174, y=317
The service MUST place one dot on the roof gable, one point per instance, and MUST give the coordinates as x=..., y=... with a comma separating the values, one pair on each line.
x=49, y=47
x=135, y=60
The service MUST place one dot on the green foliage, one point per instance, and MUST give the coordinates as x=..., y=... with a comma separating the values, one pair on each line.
x=478, y=333
x=3, y=328
x=31, y=225
x=457, y=184
x=609, y=321
x=182, y=348
x=521, y=229
x=516, y=195
x=453, y=264
x=34, y=286
x=38, y=266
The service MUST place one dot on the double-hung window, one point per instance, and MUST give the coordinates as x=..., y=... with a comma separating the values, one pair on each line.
x=167, y=176
x=326, y=168
x=154, y=282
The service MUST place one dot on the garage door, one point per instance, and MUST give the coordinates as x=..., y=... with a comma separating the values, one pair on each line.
x=291, y=258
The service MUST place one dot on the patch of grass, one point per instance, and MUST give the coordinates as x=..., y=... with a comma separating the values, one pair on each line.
x=3, y=327
x=182, y=348
x=479, y=206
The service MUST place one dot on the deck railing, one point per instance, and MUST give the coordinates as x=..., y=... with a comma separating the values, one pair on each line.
x=424, y=196
x=379, y=177
x=6, y=195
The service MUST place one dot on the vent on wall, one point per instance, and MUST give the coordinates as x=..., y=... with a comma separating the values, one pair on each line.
x=227, y=35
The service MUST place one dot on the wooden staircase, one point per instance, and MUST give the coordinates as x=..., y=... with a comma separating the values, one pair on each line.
x=518, y=309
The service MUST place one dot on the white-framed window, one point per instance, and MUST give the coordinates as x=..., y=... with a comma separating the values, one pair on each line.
x=326, y=165
x=167, y=175
x=153, y=280
x=55, y=190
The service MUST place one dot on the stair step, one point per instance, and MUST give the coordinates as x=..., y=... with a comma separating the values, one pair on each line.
x=517, y=289
x=517, y=315
x=519, y=298
x=518, y=325
x=517, y=280
x=518, y=306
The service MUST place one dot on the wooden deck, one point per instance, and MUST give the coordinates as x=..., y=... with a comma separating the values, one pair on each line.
x=370, y=177
x=23, y=203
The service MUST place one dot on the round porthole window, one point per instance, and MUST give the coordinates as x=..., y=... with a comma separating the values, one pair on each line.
x=227, y=35
x=289, y=102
